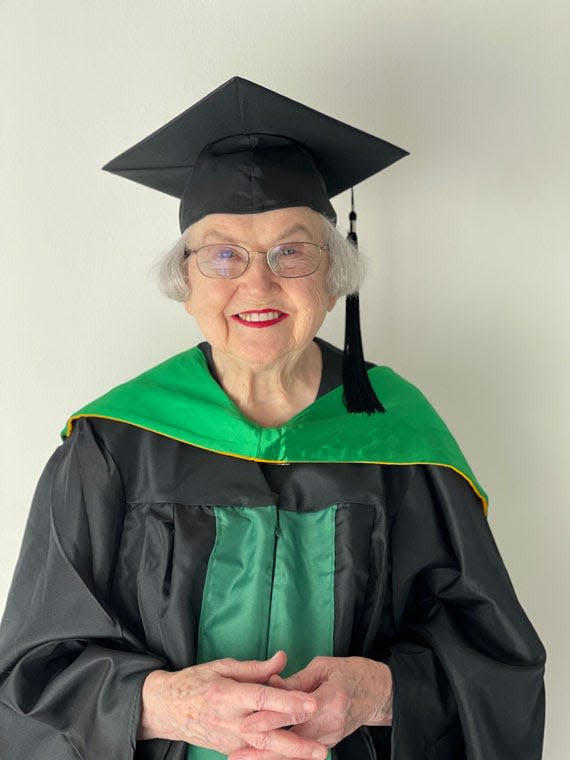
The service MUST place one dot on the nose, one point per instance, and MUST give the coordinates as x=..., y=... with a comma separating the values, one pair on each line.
x=259, y=276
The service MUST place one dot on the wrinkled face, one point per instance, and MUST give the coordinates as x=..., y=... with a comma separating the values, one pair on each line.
x=217, y=304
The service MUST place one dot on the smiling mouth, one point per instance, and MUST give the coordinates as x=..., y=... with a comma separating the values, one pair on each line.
x=260, y=318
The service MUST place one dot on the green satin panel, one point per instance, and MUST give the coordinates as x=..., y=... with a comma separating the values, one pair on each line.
x=302, y=610
x=269, y=586
x=237, y=593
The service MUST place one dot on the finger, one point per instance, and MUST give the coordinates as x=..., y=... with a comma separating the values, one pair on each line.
x=287, y=744
x=278, y=682
x=258, y=754
x=257, y=697
x=265, y=720
x=307, y=679
x=250, y=671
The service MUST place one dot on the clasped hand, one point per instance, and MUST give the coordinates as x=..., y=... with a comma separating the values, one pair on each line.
x=244, y=708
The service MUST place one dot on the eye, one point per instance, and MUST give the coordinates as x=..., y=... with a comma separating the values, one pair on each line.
x=288, y=250
x=225, y=254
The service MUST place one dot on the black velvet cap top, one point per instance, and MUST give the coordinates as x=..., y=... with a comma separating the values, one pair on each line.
x=244, y=149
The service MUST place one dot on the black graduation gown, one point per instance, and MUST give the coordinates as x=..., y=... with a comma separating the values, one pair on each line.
x=108, y=587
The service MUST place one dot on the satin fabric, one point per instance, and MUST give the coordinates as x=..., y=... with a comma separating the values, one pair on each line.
x=109, y=586
x=180, y=398
x=269, y=586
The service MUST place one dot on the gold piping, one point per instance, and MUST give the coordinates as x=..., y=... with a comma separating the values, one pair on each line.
x=69, y=429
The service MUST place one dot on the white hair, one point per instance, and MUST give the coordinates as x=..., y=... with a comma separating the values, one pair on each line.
x=346, y=266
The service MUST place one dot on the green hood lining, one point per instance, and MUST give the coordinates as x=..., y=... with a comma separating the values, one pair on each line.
x=180, y=399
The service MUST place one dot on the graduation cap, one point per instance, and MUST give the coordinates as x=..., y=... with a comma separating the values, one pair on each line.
x=245, y=149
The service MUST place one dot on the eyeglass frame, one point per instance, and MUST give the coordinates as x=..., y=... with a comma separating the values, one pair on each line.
x=323, y=247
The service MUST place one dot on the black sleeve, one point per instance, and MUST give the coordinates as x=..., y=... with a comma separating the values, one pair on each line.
x=467, y=664
x=70, y=674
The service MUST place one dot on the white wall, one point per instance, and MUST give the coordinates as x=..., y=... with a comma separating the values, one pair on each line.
x=468, y=294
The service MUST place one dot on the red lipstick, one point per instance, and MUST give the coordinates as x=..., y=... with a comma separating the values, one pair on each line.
x=256, y=317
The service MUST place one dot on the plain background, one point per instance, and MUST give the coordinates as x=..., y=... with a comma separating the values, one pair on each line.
x=467, y=238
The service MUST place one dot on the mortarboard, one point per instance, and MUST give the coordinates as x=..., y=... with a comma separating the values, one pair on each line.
x=245, y=149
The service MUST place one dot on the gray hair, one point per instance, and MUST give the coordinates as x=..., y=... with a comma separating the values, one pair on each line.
x=346, y=267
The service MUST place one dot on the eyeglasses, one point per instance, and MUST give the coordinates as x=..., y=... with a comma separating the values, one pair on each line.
x=224, y=261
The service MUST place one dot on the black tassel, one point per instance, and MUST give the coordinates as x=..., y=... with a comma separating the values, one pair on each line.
x=359, y=395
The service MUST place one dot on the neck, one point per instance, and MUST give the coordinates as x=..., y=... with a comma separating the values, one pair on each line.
x=270, y=394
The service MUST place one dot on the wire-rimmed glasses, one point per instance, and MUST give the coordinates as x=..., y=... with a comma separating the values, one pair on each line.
x=228, y=261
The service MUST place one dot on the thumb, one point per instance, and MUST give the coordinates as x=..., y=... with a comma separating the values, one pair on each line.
x=278, y=683
x=307, y=680
x=251, y=671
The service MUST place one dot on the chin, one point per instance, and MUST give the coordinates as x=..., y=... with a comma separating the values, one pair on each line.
x=261, y=349
x=260, y=356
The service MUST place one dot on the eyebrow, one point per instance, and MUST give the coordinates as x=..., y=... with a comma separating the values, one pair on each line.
x=223, y=237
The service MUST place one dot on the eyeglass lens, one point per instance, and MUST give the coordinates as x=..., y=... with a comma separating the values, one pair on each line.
x=286, y=260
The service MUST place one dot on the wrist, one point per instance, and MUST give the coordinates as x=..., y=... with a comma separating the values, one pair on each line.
x=152, y=690
x=382, y=689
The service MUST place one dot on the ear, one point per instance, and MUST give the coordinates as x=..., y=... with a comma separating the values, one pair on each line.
x=331, y=303
x=188, y=302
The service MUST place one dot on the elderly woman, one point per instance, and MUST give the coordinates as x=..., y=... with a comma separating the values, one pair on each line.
x=262, y=547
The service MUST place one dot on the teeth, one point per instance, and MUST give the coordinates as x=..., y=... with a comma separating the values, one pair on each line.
x=257, y=317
